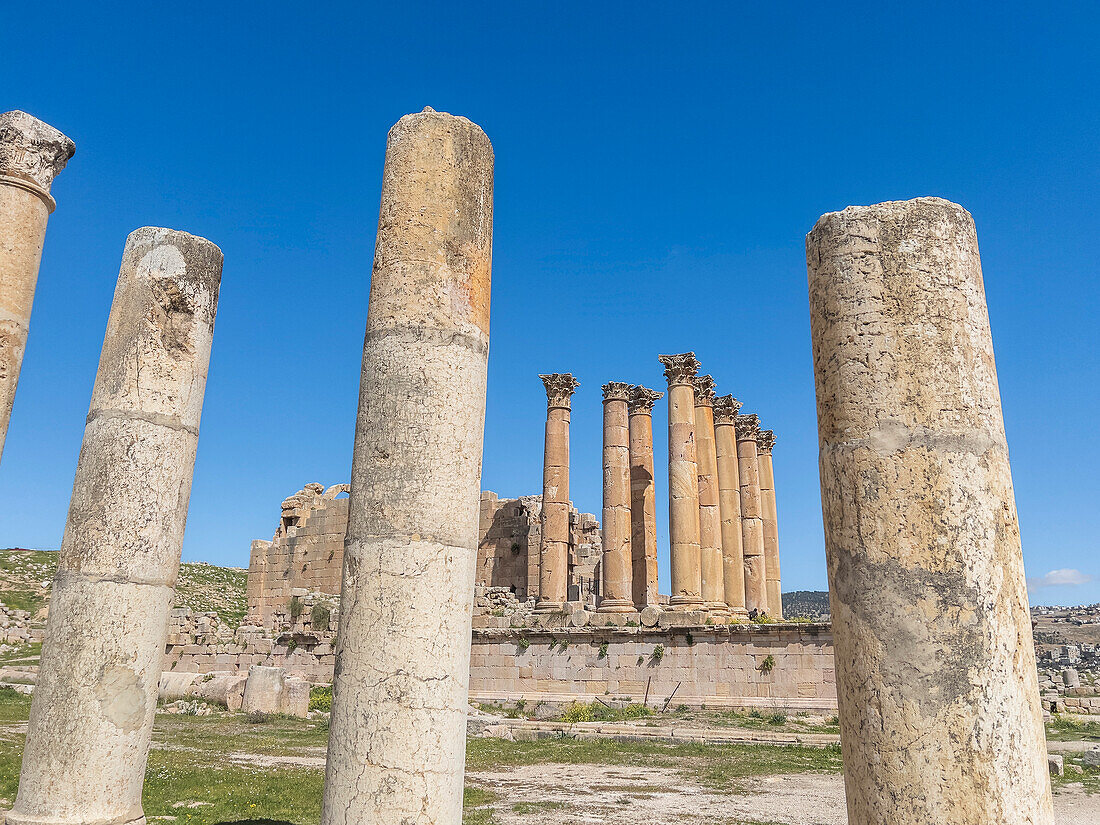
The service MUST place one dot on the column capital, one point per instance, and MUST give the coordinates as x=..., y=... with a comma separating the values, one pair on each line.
x=765, y=440
x=726, y=408
x=32, y=153
x=704, y=390
x=616, y=391
x=747, y=427
x=681, y=368
x=642, y=399
x=560, y=387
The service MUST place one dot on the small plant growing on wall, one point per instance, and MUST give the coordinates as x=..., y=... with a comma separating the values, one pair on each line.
x=523, y=644
x=690, y=639
x=563, y=645
x=657, y=654
x=768, y=664
x=296, y=608
x=641, y=660
x=603, y=651
x=320, y=616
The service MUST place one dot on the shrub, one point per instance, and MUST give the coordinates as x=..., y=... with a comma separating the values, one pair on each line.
x=523, y=644
x=658, y=653
x=320, y=698
x=768, y=664
x=833, y=720
x=296, y=608
x=320, y=616
x=578, y=712
x=603, y=651
x=778, y=718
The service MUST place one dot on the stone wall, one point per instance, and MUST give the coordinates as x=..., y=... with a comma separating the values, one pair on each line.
x=306, y=554
x=716, y=666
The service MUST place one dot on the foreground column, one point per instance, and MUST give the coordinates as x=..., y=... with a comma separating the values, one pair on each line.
x=92, y=714
x=643, y=500
x=31, y=156
x=616, y=567
x=683, y=482
x=752, y=521
x=939, y=700
x=397, y=745
x=765, y=440
x=710, y=517
x=726, y=408
x=554, y=520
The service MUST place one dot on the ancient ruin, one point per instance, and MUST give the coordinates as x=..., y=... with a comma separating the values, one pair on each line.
x=398, y=726
x=92, y=715
x=32, y=154
x=643, y=497
x=554, y=542
x=617, y=591
x=935, y=667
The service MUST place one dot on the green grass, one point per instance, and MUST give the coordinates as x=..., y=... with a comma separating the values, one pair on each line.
x=22, y=654
x=14, y=706
x=320, y=697
x=1066, y=729
x=599, y=712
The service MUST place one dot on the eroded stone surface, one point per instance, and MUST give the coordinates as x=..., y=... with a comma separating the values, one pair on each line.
x=935, y=667
x=92, y=715
x=726, y=408
x=397, y=742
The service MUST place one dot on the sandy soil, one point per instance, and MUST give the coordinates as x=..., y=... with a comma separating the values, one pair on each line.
x=594, y=794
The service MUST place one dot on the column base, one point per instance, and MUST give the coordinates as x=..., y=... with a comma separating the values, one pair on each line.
x=716, y=607
x=12, y=818
x=616, y=606
x=549, y=607
x=686, y=603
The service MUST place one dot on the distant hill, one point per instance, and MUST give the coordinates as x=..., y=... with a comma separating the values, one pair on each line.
x=813, y=604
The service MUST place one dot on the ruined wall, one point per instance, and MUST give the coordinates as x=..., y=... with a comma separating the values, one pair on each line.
x=306, y=554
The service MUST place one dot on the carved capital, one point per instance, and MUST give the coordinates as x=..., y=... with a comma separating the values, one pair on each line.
x=560, y=387
x=765, y=440
x=747, y=427
x=726, y=408
x=642, y=399
x=680, y=369
x=616, y=391
x=704, y=390
x=32, y=152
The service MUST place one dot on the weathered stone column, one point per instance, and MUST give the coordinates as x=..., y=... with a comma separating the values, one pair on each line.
x=398, y=726
x=752, y=521
x=935, y=666
x=554, y=520
x=31, y=156
x=618, y=596
x=765, y=440
x=683, y=482
x=643, y=499
x=710, y=517
x=92, y=714
x=726, y=408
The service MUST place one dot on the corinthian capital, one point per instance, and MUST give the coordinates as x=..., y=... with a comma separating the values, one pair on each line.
x=32, y=152
x=765, y=440
x=560, y=387
x=704, y=390
x=680, y=369
x=616, y=391
x=747, y=427
x=726, y=408
x=641, y=400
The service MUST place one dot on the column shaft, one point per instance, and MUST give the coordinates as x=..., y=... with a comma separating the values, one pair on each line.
x=31, y=155
x=752, y=523
x=643, y=501
x=616, y=567
x=729, y=503
x=710, y=517
x=397, y=746
x=935, y=667
x=683, y=483
x=764, y=443
x=92, y=714
x=554, y=520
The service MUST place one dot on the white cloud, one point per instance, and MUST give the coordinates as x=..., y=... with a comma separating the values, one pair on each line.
x=1059, y=578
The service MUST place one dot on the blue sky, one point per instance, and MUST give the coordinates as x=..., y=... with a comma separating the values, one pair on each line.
x=657, y=169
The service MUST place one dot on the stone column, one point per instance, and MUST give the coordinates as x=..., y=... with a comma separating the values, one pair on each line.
x=710, y=517
x=31, y=155
x=765, y=440
x=618, y=596
x=726, y=408
x=92, y=715
x=935, y=667
x=554, y=521
x=683, y=482
x=643, y=500
x=398, y=725
x=752, y=521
